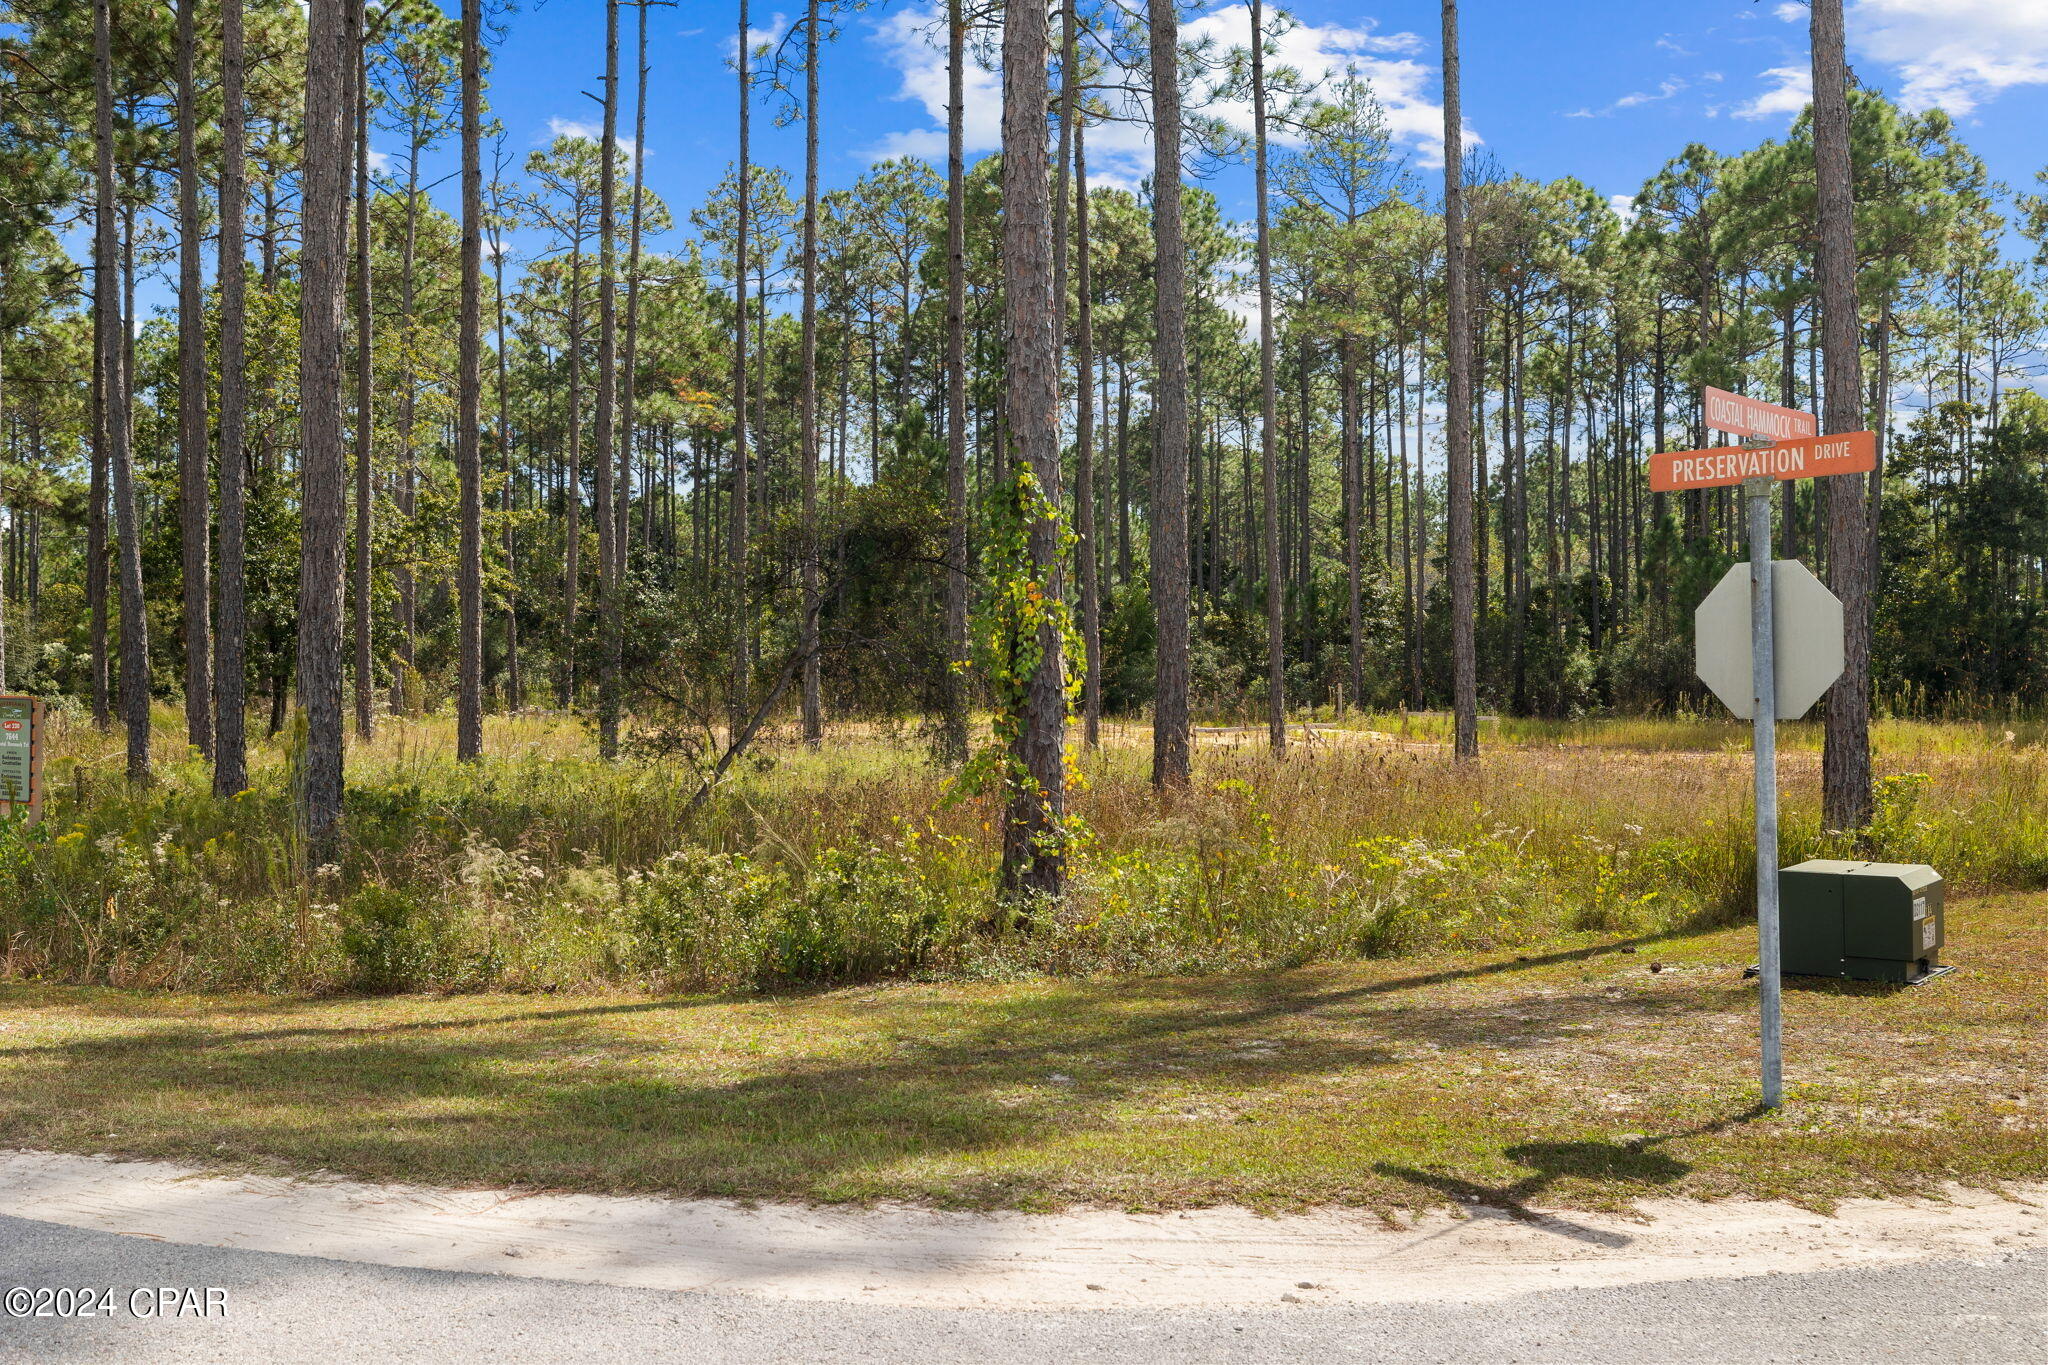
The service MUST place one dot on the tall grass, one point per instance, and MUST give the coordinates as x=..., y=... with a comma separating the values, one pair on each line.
x=544, y=868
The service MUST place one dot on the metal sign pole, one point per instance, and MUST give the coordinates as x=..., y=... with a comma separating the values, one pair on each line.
x=1764, y=677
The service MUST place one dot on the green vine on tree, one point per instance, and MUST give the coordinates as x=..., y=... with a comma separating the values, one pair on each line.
x=1008, y=632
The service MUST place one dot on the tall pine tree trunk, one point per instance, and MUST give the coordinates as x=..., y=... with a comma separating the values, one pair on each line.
x=405, y=502
x=1066, y=102
x=230, y=669
x=1845, y=759
x=1034, y=858
x=737, y=555
x=953, y=717
x=572, y=485
x=469, y=569
x=807, y=635
x=111, y=331
x=607, y=397
x=1269, y=409
x=515, y=695
x=1086, y=551
x=366, y=425
x=1458, y=405
x=1170, y=737
x=195, y=523
x=96, y=495
x=1355, y=483
x=629, y=376
x=330, y=66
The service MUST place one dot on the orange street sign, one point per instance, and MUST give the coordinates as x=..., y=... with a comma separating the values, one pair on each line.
x=1739, y=416
x=1809, y=457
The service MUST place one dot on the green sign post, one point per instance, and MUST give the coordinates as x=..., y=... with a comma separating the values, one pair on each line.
x=21, y=758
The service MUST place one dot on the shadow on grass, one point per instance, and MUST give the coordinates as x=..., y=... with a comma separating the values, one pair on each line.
x=1521, y=963
x=1636, y=1167
x=564, y=1102
x=112, y=1002
x=931, y=1093
x=215, y=1038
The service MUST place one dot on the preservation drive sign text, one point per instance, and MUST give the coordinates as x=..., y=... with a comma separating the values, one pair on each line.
x=1802, y=457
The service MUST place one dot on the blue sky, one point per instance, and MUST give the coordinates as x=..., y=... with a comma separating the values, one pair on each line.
x=1606, y=90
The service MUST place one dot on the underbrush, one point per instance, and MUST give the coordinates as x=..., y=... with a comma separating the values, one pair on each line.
x=543, y=869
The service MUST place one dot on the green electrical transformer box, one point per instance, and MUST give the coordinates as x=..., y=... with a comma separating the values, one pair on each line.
x=1869, y=921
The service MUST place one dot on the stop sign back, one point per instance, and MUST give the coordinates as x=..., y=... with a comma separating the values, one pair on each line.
x=1806, y=639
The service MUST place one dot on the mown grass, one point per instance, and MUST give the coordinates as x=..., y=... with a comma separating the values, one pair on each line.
x=1605, y=1069
x=542, y=868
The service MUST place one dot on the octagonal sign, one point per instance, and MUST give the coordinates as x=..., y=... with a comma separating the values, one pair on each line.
x=1807, y=636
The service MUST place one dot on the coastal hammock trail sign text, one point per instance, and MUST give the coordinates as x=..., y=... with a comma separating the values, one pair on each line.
x=1740, y=416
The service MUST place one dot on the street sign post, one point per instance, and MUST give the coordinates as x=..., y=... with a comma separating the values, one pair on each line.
x=21, y=758
x=1763, y=673
x=1794, y=650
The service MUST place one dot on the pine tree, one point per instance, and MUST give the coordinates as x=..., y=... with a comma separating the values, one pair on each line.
x=230, y=667
x=1458, y=405
x=469, y=698
x=953, y=702
x=1034, y=855
x=813, y=718
x=1269, y=412
x=603, y=502
x=331, y=41
x=195, y=523
x=1170, y=720
x=1845, y=757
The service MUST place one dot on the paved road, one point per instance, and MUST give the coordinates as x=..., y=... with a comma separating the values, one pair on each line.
x=292, y=1308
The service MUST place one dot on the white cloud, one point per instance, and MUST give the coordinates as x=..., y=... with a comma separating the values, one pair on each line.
x=757, y=38
x=1624, y=206
x=913, y=41
x=1406, y=89
x=1790, y=92
x=589, y=132
x=1120, y=151
x=1954, y=53
x=1951, y=54
x=1666, y=88
x=380, y=162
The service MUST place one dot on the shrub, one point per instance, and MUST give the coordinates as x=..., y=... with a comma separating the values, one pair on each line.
x=390, y=941
x=862, y=912
x=695, y=919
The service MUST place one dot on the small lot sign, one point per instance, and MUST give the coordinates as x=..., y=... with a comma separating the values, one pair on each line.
x=21, y=758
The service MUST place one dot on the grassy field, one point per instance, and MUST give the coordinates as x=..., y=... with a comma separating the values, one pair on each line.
x=1365, y=975
x=543, y=869
x=1607, y=1068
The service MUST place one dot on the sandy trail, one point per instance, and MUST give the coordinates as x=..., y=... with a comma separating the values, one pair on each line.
x=1084, y=1259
